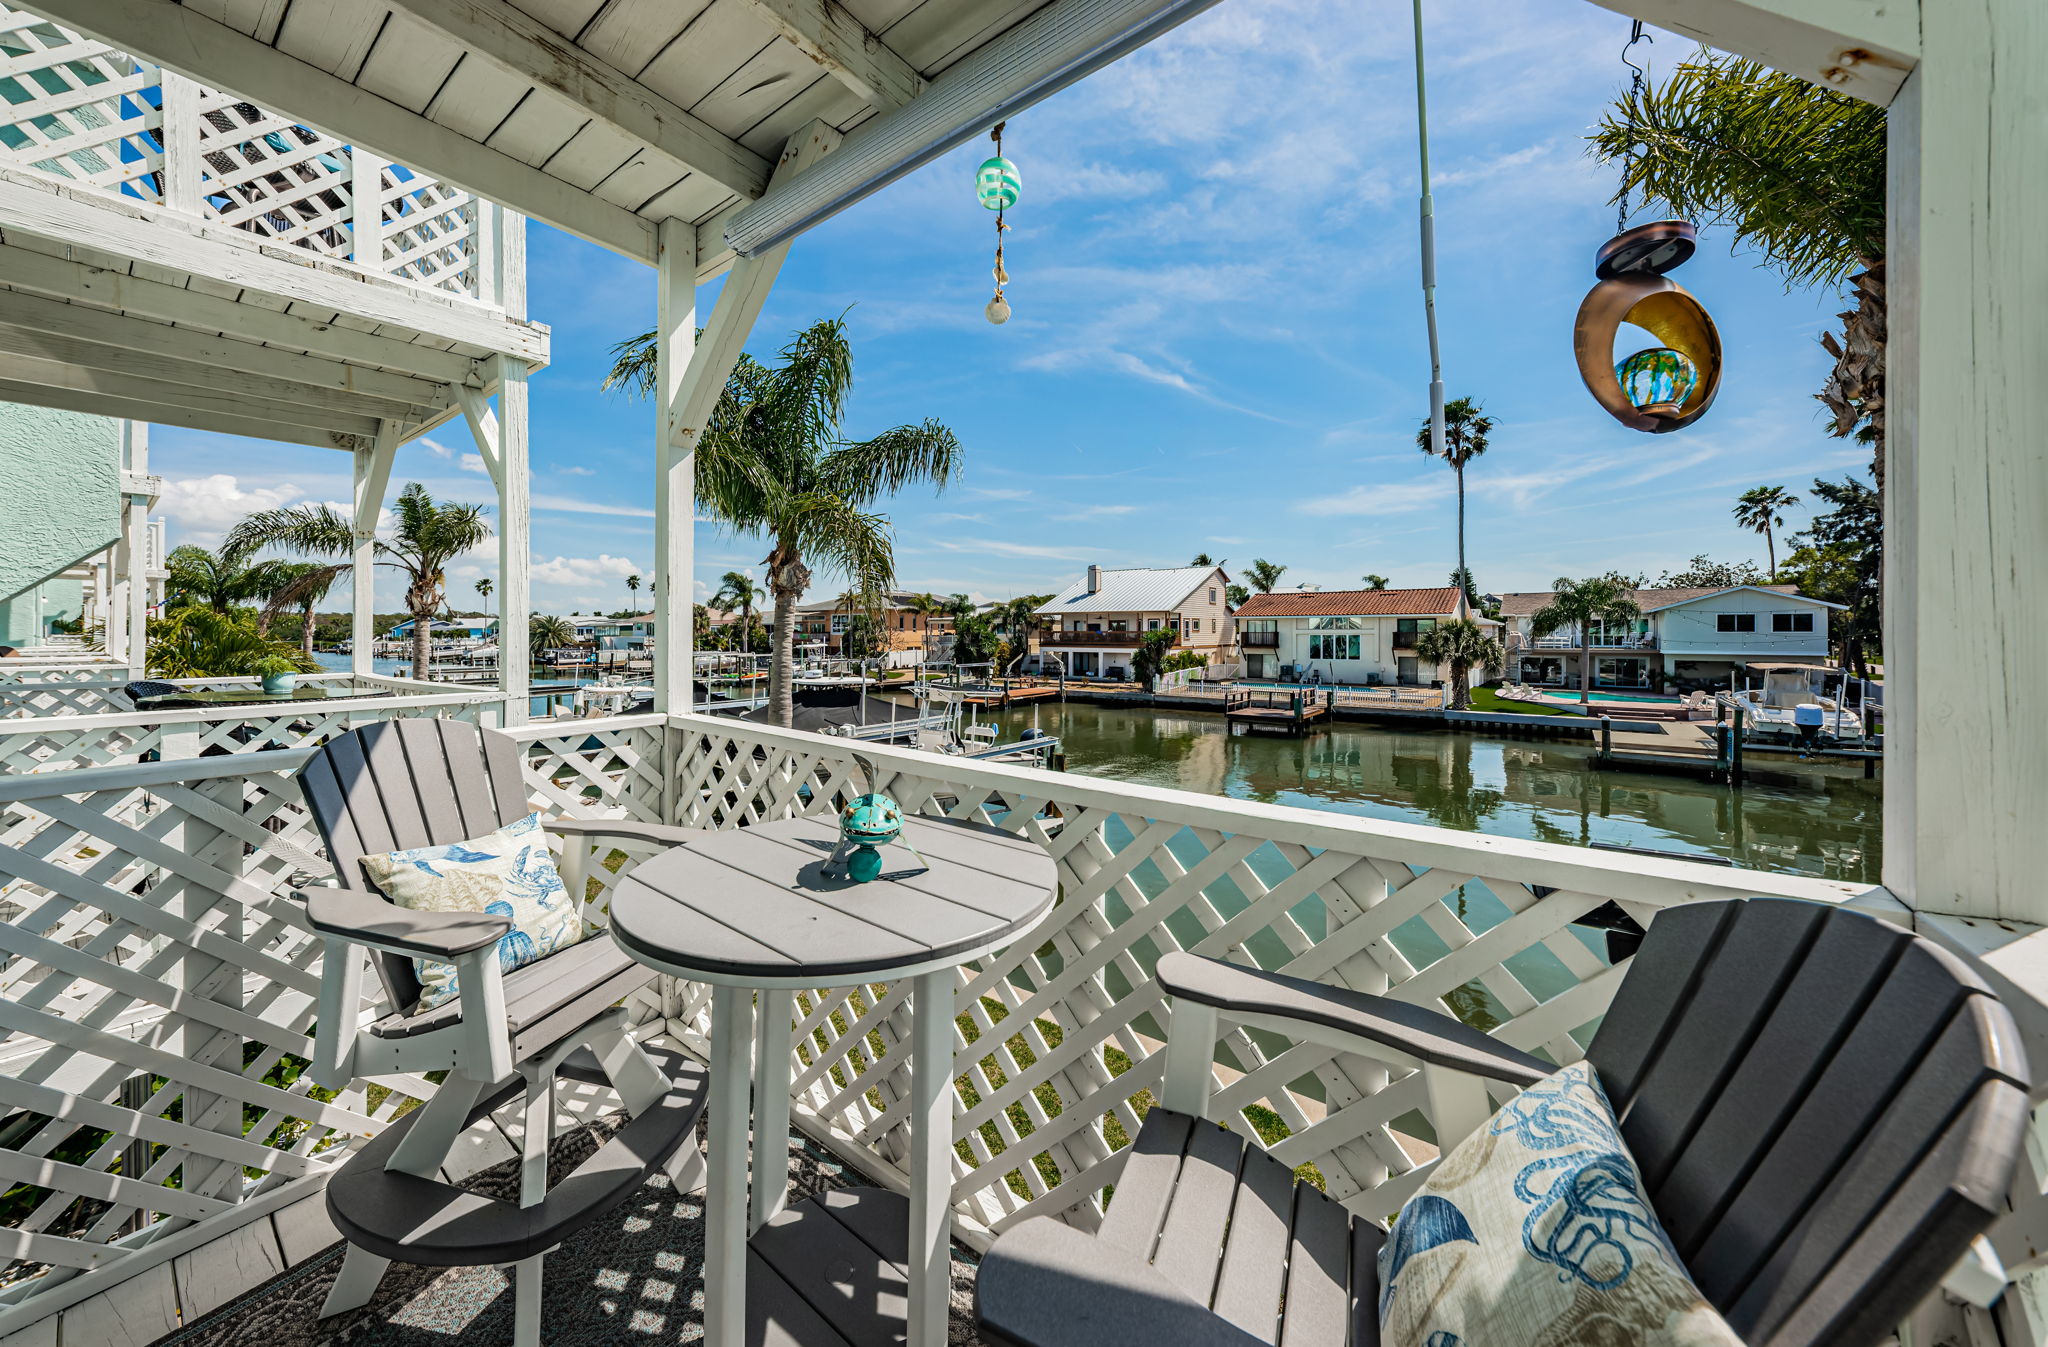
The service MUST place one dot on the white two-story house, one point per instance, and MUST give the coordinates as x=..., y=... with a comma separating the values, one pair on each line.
x=1691, y=637
x=1093, y=626
x=1354, y=636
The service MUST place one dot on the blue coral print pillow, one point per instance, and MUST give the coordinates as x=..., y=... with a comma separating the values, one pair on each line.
x=1535, y=1231
x=507, y=873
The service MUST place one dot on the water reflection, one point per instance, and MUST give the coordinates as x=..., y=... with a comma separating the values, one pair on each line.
x=1814, y=821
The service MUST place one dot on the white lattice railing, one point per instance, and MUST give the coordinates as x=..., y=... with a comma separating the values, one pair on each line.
x=99, y=118
x=1068, y=1024
x=157, y=993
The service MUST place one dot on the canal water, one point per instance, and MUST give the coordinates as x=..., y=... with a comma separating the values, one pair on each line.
x=1821, y=821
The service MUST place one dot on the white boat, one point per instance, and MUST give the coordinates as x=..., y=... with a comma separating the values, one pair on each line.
x=1771, y=707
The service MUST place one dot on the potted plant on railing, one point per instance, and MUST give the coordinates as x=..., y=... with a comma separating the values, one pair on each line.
x=280, y=675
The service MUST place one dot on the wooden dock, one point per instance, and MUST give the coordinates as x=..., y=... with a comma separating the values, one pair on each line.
x=1684, y=746
x=1278, y=711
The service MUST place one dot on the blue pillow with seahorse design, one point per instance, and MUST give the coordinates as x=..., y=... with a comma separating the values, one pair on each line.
x=1535, y=1232
x=507, y=873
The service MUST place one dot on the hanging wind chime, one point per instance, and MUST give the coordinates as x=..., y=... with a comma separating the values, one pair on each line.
x=1669, y=386
x=996, y=184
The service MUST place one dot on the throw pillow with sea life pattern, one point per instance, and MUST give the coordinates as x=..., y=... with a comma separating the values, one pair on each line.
x=1535, y=1231
x=507, y=873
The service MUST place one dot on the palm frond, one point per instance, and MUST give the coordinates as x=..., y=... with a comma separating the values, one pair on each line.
x=893, y=460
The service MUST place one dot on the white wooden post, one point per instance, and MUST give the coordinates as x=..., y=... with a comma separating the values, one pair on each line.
x=675, y=466
x=515, y=541
x=1966, y=538
x=366, y=202
x=180, y=135
x=372, y=476
x=130, y=606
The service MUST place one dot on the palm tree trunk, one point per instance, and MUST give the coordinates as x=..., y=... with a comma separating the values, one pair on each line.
x=1464, y=576
x=306, y=630
x=422, y=643
x=782, y=669
x=1771, y=550
x=1585, y=665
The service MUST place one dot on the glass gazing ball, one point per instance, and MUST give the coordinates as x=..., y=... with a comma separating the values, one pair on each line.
x=997, y=311
x=1657, y=381
x=996, y=183
x=863, y=865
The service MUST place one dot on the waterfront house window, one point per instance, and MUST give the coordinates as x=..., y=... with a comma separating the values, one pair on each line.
x=1212, y=596
x=1336, y=624
x=1118, y=625
x=839, y=621
x=1735, y=622
x=1415, y=624
x=1791, y=621
x=1151, y=624
x=1315, y=647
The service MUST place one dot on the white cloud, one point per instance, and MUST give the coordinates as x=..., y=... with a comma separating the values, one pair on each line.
x=434, y=447
x=585, y=570
x=995, y=547
x=571, y=506
x=997, y=492
x=201, y=509
x=575, y=471
x=1103, y=511
x=471, y=463
x=1382, y=498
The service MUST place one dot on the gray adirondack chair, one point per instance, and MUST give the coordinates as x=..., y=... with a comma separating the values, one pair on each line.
x=1825, y=1109
x=407, y=783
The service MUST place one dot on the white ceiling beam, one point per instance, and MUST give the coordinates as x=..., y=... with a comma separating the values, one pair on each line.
x=31, y=387
x=180, y=38
x=1058, y=45
x=97, y=287
x=1855, y=47
x=373, y=391
x=828, y=33
x=511, y=41
x=63, y=363
x=51, y=209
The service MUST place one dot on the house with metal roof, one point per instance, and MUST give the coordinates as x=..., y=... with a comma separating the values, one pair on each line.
x=1354, y=636
x=1689, y=638
x=1093, y=626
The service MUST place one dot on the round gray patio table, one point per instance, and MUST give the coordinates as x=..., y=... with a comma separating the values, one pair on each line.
x=750, y=912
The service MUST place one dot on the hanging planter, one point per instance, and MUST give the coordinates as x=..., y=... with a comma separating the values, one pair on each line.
x=1665, y=387
x=997, y=185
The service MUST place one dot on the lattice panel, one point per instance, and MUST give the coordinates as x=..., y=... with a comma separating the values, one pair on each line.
x=75, y=698
x=429, y=232
x=79, y=109
x=273, y=177
x=1069, y=1025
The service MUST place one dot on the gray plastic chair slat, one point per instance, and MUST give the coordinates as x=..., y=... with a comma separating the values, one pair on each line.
x=359, y=814
x=1191, y=1241
x=1318, y=1273
x=429, y=769
x=1835, y=983
x=777, y=1316
x=1882, y=1159
x=1138, y=1207
x=1366, y=1241
x=1915, y=1010
x=1660, y=978
x=1918, y=1235
x=837, y=1273
x=535, y=992
x=1732, y=1001
x=394, y=789
x=1254, y=1274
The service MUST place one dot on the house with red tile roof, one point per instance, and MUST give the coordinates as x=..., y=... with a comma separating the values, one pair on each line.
x=1356, y=636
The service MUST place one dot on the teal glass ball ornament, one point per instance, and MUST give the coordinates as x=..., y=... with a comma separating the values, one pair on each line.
x=1657, y=381
x=863, y=865
x=996, y=184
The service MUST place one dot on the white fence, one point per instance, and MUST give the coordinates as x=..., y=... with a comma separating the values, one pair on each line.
x=157, y=988
x=101, y=119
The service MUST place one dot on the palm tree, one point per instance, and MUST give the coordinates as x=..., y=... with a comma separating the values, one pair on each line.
x=426, y=537
x=1465, y=432
x=772, y=461
x=1204, y=559
x=1580, y=604
x=1762, y=509
x=1799, y=171
x=633, y=592
x=1460, y=645
x=305, y=584
x=483, y=591
x=736, y=589
x=549, y=633
x=1262, y=575
x=219, y=580
x=1375, y=582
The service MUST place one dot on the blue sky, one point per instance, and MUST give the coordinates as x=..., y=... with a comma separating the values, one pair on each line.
x=1217, y=343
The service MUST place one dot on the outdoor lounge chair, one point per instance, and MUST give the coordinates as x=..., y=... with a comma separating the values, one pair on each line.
x=1825, y=1110
x=410, y=783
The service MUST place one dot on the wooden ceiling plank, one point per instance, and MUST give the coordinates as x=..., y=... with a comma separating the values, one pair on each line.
x=219, y=57
x=528, y=49
x=628, y=34
x=828, y=33
x=150, y=400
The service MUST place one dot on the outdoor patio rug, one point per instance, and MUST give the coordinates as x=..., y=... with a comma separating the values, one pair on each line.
x=633, y=1277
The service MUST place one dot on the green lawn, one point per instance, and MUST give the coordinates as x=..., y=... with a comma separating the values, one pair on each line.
x=1488, y=699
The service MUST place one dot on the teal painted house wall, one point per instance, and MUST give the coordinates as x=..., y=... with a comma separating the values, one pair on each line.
x=60, y=502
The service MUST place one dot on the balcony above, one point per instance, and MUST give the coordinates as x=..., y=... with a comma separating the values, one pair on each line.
x=1259, y=640
x=1570, y=641
x=1121, y=640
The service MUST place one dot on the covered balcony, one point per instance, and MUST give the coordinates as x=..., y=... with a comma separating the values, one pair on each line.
x=166, y=1147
